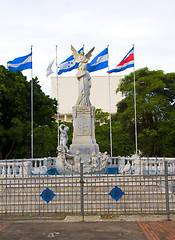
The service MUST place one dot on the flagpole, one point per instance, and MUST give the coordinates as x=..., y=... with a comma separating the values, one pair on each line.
x=57, y=98
x=109, y=104
x=135, y=109
x=31, y=106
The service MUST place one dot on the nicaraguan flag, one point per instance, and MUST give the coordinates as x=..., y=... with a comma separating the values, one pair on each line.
x=21, y=63
x=99, y=62
x=69, y=64
x=49, y=68
x=127, y=62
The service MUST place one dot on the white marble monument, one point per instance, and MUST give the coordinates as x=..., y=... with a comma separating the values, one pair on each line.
x=84, y=147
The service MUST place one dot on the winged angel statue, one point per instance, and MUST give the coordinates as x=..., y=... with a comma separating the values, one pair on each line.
x=83, y=76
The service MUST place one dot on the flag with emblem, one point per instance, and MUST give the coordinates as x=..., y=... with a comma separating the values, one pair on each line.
x=69, y=64
x=49, y=68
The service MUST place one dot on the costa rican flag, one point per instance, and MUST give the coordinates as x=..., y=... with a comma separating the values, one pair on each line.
x=127, y=62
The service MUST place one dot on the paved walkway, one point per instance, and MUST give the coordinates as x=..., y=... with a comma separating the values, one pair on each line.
x=90, y=230
x=158, y=230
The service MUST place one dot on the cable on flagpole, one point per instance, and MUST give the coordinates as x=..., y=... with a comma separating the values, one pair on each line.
x=109, y=105
x=57, y=98
x=135, y=109
x=31, y=105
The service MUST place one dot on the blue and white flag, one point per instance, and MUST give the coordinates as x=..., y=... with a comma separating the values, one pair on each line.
x=69, y=64
x=21, y=63
x=99, y=62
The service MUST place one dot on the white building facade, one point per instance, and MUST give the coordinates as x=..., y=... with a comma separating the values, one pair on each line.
x=99, y=96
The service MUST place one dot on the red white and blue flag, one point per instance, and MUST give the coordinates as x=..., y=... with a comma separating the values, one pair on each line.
x=127, y=62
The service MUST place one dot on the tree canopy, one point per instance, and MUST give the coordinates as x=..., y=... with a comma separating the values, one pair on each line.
x=15, y=117
x=155, y=104
x=121, y=145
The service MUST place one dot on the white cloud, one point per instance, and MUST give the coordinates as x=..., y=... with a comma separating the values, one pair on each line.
x=148, y=24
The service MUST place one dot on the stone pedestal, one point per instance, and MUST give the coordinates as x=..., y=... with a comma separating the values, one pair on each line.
x=84, y=132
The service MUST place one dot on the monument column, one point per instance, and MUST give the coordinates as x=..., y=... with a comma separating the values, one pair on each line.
x=84, y=132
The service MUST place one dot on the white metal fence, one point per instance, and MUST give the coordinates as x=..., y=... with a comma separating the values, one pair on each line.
x=22, y=194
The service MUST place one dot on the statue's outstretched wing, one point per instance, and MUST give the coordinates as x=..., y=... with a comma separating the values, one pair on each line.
x=75, y=54
x=89, y=54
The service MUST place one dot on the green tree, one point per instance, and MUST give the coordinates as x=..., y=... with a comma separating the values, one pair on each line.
x=120, y=140
x=15, y=115
x=45, y=141
x=155, y=94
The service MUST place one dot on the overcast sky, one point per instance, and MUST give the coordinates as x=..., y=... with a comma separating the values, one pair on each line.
x=149, y=24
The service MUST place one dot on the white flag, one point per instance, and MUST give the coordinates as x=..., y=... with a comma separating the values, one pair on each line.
x=49, y=70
